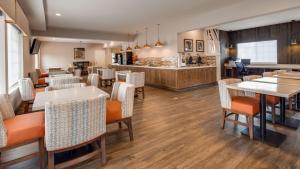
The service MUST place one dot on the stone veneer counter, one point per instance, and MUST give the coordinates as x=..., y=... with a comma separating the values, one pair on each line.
x=175, y=78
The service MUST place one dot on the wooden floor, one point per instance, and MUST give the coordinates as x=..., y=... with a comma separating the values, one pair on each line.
x=182, y=130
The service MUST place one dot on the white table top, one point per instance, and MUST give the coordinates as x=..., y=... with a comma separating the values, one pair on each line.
x=47, y=79
x=278, y=81
x=280, y=90
x=60, y=96
x=289, y=75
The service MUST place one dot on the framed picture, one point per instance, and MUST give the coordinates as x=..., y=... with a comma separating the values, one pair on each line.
x=79, y=53
x=199, y=45
x=188, y=45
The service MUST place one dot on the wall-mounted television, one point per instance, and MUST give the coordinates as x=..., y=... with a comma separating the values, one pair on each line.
x=35, y=47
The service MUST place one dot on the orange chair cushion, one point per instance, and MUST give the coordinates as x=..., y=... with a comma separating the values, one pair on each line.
x=43, y=75
x=113, y=111
x=24, y=128
x=246, y=105
x=41, y=81
x=271, y=100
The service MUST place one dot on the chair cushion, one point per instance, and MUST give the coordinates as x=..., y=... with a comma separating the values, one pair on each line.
x=113, y=111
x=25, y=127
x=41, y=81
x=40, y=89
x=271, y=100
x=244, y=104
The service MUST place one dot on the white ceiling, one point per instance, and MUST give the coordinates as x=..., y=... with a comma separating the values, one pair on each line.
x=269, y=19
x=123, y=16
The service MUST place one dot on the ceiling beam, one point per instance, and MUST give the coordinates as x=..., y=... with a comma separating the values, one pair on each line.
x=83, y=34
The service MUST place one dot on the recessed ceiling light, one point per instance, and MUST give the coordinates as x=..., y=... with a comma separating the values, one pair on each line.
x=58, y=14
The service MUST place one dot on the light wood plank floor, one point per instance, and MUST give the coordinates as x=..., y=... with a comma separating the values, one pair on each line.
x=182, y=130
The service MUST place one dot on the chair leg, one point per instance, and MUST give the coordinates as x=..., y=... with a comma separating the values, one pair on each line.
x=103, y=149
x=250, y=125
x=120, y=125
x=50, y=160
x=143, y=92
x=129, y=125
x=273, y=114
x=223, y=119
x=291, y=103
x=26, y=107
x=42, y=153
x=236, y=118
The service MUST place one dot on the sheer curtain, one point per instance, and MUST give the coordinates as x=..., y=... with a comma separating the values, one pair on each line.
x=14, y=55
x=258, y=52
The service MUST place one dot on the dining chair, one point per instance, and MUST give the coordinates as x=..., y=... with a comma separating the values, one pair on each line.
x=20, y=130
x=27, y=93
x=93, y=79
x=120, y=76
x=268, y=74
x=63, y=80
x=40, y=74
x=234, y=102
x=138, y=80
x=77, y=72
x=106, y=76
x=272, y=101
x=38, y=82
x=74, y=124
x=64, y=86
x=120, y=106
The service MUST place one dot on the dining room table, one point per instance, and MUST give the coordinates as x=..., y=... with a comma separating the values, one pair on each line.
x=289, y=122
x=66, y=95
x=283, y=91
x=289, y=75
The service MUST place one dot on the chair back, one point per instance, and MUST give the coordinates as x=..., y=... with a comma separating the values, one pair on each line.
x=39, y=73
x=77, y=72
x=277, y=72
x=64, y=86
x=268, y=74
x=74, y=122
x=106, y=73
x=121, y=75
x=3, y=131
x=34, y=77
x=63, y=80
x=26, y=89
x=136, y=78
x=226, y=94
x=124, y=93
x=249, y=78
x=6, y=107
x=93, y=80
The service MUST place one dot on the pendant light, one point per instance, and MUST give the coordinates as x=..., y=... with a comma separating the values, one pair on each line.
x=158, y=43
x=293, y=39
x=137, y=47
x=146, y=33
x=129, y=49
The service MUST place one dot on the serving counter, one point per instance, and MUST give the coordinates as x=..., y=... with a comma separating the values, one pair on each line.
x=175, y=78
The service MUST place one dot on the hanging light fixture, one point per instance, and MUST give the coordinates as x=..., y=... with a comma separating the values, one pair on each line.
x=146, y=33
x=129, y=49
x=158, y=43
x=137, y=47
x=293, y=40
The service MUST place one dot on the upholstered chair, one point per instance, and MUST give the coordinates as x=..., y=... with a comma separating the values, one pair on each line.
x=268, y=74
x=120, y=76
x=75, y=124
x=272, y=101
x=279, y=71
x=63, y=80
x=38, y=82
x=77, y=72
x=26, y=89
x=16, y=131
x=138, y=80
x=234, y=102
x=107, y=76
x=120, y=106
x=93, y=79
x=40, y=74
x=64, y=86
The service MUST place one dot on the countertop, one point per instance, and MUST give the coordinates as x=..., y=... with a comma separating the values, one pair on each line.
x=166, y=67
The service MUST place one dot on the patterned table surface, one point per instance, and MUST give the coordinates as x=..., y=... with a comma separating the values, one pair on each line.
x=60, y=96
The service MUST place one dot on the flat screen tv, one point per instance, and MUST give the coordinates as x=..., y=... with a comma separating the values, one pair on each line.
x=35, y=47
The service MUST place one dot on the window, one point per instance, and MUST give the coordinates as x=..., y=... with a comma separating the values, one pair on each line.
x=258, y=52
x=14, y=55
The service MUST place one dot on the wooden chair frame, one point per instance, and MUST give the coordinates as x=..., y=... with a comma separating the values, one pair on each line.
x=40, y=154
x=101, y=151
x=127, y=122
